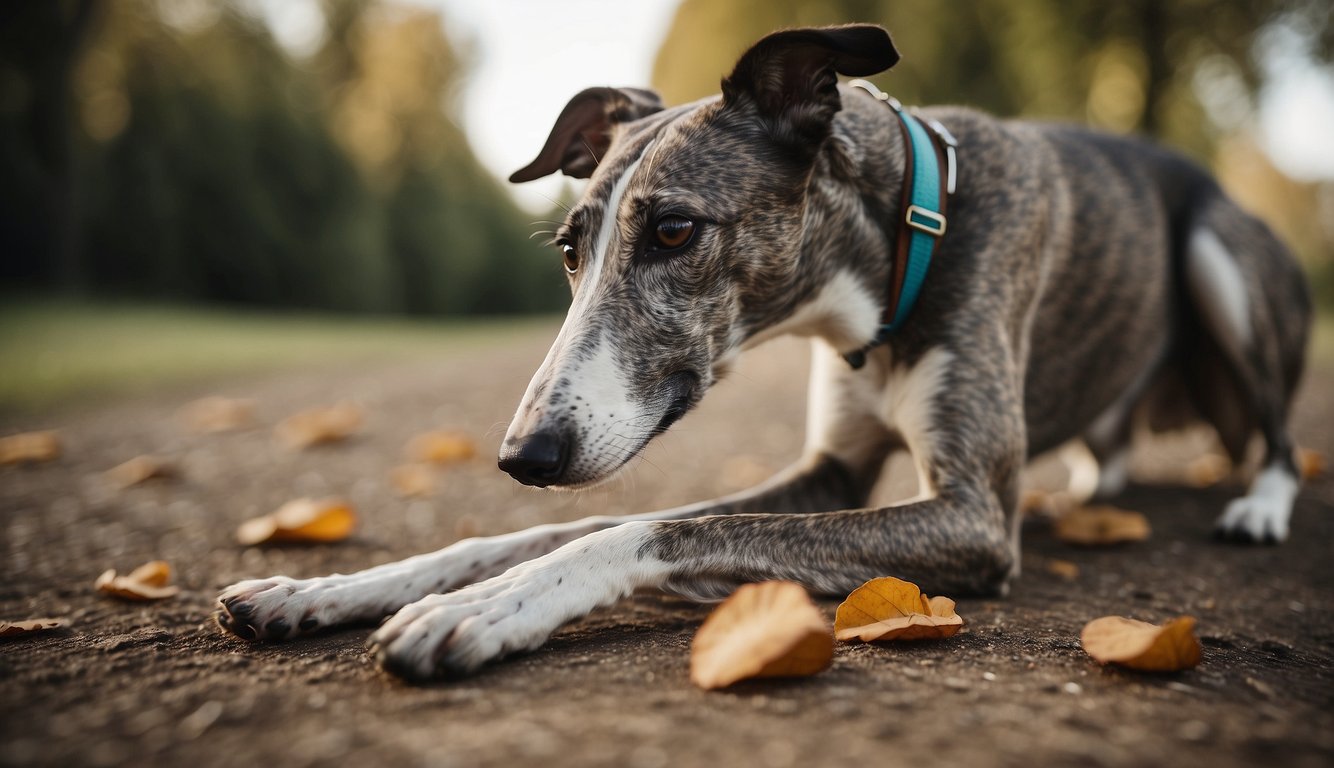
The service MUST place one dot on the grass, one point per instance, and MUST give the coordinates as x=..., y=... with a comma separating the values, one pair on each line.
x=54, y=351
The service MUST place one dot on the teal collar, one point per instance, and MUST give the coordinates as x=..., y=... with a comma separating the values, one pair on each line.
x=922, y=220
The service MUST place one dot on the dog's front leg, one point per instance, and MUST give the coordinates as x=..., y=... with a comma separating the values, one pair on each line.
x=281, y=608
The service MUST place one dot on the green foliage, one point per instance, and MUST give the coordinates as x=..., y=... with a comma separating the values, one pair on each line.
x=208, y=164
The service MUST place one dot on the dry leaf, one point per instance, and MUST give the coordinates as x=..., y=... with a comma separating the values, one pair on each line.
x=140, y=469
x=1140, y=645
x=31, y=626
x=441, y=447
x=1208, y=470
x=1045, y=504
x=301, y=520
x=29, y=447
x=1093, y=526
x=1310, y=463
x=149, y=581
x=1063, y=568
x=893, y=609
x=217, y=414
x=315, y=426
x=413, y=480
x=763, y=630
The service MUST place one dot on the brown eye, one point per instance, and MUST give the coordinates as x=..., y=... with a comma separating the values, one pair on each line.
x=571, y=258
x=673, y=232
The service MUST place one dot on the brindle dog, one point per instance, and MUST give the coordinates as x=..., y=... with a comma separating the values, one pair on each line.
x=1082, y=279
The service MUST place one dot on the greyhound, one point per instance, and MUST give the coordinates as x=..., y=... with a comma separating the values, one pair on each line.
x=1083, y=280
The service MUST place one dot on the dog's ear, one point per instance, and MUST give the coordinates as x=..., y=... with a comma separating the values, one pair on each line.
x=583, y=131
x=792, y=76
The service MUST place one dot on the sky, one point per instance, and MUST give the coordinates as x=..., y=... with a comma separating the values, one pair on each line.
x=531, y=56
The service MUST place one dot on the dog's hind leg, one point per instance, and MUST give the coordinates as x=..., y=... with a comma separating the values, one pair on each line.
x=1252, y=303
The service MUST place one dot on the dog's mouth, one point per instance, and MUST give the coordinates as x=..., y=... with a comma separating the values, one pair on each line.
x=681, y=390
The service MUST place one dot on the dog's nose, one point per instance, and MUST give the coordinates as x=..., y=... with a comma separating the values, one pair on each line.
x=538, y=459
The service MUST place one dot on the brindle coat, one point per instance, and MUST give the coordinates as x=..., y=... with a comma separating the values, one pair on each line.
x=1066, y=294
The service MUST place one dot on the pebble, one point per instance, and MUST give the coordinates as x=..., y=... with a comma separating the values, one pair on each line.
x=1072, y=688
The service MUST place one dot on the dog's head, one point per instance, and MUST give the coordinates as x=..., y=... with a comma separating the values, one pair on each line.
x=685, y=246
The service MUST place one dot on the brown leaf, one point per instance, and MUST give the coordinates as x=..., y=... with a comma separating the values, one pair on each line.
x=149, y=581
x=301, y=520
x=1140, y=645
x=1310, y=463
x=413, y=480
x=217, y=414
x=141, y=469
x=29, y=447
x=31, y=626
x=441, y=447
x=316, y=426
x=1063, y=568
x=1208, y=470
x=892, y=609
x=763, y=630
x=1094, y=526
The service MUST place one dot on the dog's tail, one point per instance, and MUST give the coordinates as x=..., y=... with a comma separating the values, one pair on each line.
x=1243, y=321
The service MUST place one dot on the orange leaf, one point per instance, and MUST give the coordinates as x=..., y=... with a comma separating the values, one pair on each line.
x=1093, y=526
x=1208, y=470
x=301, y=520
x=315, y=426
x=29, y=447
x=441, y=447
x=140, y=469
x=763, y=630
x=1310, y=463
x=892, y=609
x=217, y=414
x=1140, y=645
x=147, y=582
x=1063, y=568
x=31, y=626
x=413, y=480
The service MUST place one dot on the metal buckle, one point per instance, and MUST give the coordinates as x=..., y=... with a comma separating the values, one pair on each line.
x=936, y=227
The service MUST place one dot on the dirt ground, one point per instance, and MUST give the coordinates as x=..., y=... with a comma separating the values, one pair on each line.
x=159, y=684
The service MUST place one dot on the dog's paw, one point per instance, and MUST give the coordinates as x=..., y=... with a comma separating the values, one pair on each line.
x=1256, y=519
x=272, y=609
x=456, y=633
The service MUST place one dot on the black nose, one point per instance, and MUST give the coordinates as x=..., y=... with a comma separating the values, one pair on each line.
x=538, y=459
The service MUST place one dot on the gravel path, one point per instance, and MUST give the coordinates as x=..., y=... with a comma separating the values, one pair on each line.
x=158, y=684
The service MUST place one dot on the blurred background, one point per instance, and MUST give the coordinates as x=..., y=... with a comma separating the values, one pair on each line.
x=268, y=177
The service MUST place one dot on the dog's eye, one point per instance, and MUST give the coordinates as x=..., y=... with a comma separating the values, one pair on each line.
x=672, y=232
x=571, y=258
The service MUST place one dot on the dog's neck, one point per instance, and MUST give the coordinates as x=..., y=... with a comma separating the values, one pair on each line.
x=846, y=257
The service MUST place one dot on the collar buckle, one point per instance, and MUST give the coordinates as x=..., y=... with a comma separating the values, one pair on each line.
x=926, y=221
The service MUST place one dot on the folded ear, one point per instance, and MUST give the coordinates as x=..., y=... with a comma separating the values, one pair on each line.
x=792, y=76
x=582, y=133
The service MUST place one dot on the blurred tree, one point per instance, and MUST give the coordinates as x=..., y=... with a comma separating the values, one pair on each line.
x=216, y=166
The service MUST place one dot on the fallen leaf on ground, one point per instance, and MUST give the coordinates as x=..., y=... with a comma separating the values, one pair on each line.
x=140, y=469
x=1208, y=470
x=30, y=447
x=316, y=426
x=217, y=414
x=1094, y=526
x=301, y=520
x=1310, y=463
x=892, y=609
x=1063, y=568
x=31, y=626
x=441, y=447
x=150, y=581
x=763, y=630
x=1048, y=504
x=1139, y=645
x=413, y=480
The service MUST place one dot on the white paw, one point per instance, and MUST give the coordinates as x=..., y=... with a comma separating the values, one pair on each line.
x=460, y=631
x=273, y=609
x=1255, y=518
